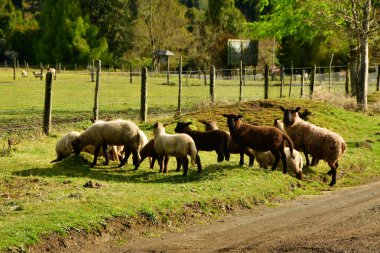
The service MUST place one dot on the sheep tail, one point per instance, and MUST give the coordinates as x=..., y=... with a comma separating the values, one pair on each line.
x=193, y=153
x=290, y=144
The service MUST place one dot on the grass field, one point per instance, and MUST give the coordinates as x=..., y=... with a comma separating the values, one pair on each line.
x=37, y=198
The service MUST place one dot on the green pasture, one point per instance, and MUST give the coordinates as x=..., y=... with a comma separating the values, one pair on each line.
x=38, y=198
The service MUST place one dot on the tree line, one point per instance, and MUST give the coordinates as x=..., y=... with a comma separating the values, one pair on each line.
x=298, y=33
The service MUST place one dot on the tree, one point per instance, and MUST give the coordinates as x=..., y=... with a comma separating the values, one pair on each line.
x=309, y=19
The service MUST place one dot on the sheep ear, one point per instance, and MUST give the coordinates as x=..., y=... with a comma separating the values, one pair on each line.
x=187, y=124
x=92, y=120
x=240, y=116
x=297, y=109
x=282, y=109
x=202, y=121
x=155, y=125
x=166, y=124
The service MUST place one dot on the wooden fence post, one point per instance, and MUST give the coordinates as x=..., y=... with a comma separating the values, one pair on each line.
x=330, y=70
x=93, y=71
x=281, y=80
x=348, y=80
x=312, y=81
x=302, y=82
x=205, y=75
x=241, y=80
x=266, y=82
x=291, y=80
x=179, y=85
x=144, y=92
x=130, y=72
x=378, y=78
x=96, y=98
x=42, y=72
x=6, y=66
x=168, y=73
x=212, y=83
x=14, y=68
x=47, y=107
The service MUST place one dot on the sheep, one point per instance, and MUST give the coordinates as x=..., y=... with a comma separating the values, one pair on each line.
x=52, y=71
x=260, y=138
x=320, y=143
x=178, y=145
x=64, y=148
x=142, y=143
x=116, y=132
x=24, y=73
x=234, y=148
x=217, y=140
x=266, y=159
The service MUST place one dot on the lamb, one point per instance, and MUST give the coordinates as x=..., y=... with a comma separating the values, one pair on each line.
x=217, y=140
x=64, y=148
x=52, y=71
x=320, y=143
x=178, y=145
x=116, y=132
x=24, y=73
x=234, y=148
x=266, y=159
x=260, y=138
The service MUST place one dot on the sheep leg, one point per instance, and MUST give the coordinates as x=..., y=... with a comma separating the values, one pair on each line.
x=284, y=162
x=136, y=160
x=277, y=157
x=104, y=147
x=97, y=150
x=127, y=153
x=152, y=161
x=160, y=161
x=166, y=160
x=241, y=161
x=220, y=155
x=178, y=164
x=185, y=165
x=307, y=159
x=199, y=165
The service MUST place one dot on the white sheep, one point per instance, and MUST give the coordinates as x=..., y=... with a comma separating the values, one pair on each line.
x=266, y=159
x=64, y=147
x=24, y=73
x=320, y=143
x=52, y=71
x=178, y=145
x=116, y=132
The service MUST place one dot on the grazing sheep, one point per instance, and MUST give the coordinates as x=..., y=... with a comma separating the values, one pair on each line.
x=266, y=159
x=142, y=143
x=24, y=74
x=37, y=75
x=320, y=143
x=52, y=71
x=178, y=145
x=116, y=132
x=234, y=148
x=260, y=138
x=217, y=140
x=64, y=147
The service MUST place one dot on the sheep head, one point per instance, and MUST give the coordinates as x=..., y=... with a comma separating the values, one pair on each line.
x=77, y=146
x=232, y=120
x=182, y=127
x=290, y=115
x=158, y=129
x=209, y=125
x=279, y=124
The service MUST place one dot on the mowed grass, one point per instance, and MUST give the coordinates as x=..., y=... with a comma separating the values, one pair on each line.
x=37, y=198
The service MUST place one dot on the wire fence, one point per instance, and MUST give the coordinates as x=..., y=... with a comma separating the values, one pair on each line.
x=22, y=97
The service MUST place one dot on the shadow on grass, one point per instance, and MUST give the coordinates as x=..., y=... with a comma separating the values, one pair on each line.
x=79, y=167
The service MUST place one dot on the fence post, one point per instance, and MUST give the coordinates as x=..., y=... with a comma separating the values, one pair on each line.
x=241, y=80
x=93, y=71
x=42, y=72
x=144, y=91
x=205, y=75
x=348, y=80
x=330, y=69
x=266, y=81
x=96, y=98
x=302, y=82
x=212, y=83
x=291, y=80
x=167, y=73
x=6, y=66
x=14, y=68
x=281, y=80
x=48, y=99
x=179, y=85
x=312, y=81
x=130, y=72
x=378, y=78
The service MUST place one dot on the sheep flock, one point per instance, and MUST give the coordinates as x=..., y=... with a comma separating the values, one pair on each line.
x=276, y=146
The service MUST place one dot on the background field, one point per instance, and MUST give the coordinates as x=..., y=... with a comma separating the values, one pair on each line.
x=37, y=198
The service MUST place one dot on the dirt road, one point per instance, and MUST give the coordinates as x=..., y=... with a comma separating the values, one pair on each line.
x=346, y=220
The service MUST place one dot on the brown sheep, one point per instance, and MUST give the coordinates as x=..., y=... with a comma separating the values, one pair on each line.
x=217, y=140
x=234, y=148
x=260, y=138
